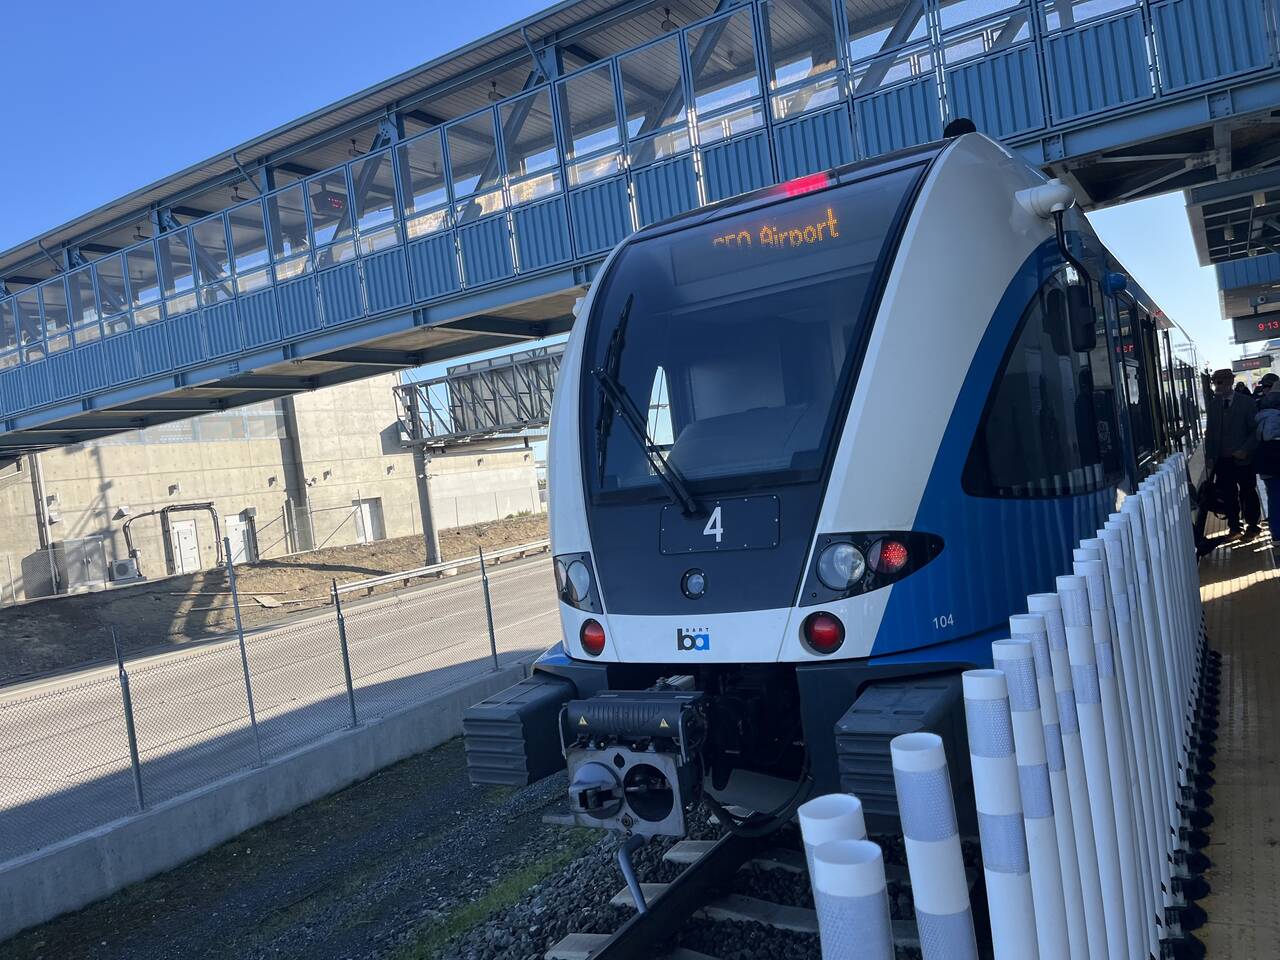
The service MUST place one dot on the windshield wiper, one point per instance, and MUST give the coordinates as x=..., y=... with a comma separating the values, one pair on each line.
x=614, y=397
x=612, y=359
x=665, y=470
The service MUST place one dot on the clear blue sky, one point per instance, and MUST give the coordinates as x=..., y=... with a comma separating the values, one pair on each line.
x=103, y=98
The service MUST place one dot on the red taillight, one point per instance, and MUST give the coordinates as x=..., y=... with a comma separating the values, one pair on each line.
x=806, y=184
x=888, y=556
x=592, y=637
x=823, y=632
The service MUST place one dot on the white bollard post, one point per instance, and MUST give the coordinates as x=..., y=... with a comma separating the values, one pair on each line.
x=1000, y=828
x=834, y=816
x=1121, y=766
x=1134, y=695
x=852, y=901
x=1030, y=628
x=1016, y=660
x=1074, y=591
x=939, y=887
x=1048, y=606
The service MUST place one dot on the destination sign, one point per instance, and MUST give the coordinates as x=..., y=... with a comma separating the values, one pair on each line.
x=1265, y=326
x=1261, y=362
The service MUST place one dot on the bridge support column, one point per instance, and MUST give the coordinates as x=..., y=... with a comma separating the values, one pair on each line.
x=430, y=536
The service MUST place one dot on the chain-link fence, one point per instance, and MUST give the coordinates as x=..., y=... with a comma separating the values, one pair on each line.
x=75, y=757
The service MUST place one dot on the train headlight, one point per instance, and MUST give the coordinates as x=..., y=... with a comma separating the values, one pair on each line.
x=850, y=564
x=576, y=582
x=840, y=566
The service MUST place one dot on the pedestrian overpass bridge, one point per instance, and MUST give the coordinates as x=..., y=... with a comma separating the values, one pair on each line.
x=467, y=203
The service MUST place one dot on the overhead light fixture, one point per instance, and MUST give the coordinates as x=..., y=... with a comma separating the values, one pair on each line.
x=353, y=150
x=667, y=24
x=138, y=234
x=494, y=95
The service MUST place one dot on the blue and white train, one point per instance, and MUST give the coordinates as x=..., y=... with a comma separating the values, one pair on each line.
x=810, y=448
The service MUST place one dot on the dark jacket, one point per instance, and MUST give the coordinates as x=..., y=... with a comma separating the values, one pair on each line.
x=1231, y=426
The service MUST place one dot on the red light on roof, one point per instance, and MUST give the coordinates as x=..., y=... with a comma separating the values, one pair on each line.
x=805, y=184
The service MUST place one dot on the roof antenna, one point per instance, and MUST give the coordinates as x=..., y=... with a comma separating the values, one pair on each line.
x=667, y=24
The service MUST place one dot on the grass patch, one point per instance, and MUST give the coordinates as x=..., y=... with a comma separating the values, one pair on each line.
x=429, y=940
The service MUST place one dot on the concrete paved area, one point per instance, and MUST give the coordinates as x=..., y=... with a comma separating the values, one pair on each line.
x=64, y=760
x=1240, y=587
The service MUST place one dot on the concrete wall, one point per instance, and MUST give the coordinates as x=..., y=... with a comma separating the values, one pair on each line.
x=303, y=488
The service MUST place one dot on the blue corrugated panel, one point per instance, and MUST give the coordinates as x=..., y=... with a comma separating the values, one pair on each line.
x=11, y=400
x=259, y=318
x=121, y=356
x=222, y=328
x=386, y=281
x=665, y=189
x=601, y=215
x=299, y=312
x=1249, y=272
x=94, y=370
x=340, y=293
x=186, y=340
x=433, y=265
x=1202, y=40
x=36, y=391
x=737, y=166
x=1099, y=66
x=900, y=117
x=1000, y=93
x=815, y=142
x=542, y=234
x=64, y=375
x=152, y=349
x=486, y=251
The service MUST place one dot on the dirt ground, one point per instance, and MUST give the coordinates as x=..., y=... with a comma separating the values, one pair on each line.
x=411, y=857
x=57, y=633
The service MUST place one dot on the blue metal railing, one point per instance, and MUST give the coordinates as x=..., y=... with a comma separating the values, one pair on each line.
x=560, y=173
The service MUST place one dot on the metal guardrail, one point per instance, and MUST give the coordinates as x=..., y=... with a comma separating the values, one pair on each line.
x=435, y=569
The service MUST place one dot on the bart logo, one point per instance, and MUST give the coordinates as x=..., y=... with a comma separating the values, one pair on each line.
x=693, y=638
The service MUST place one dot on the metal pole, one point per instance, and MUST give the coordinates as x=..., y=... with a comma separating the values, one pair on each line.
x=128, y=722
x=244, y=654
x=430, y=537
x=346, y=655
x=488, y=610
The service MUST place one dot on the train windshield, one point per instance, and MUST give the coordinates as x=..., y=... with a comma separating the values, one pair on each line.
x=734, y=339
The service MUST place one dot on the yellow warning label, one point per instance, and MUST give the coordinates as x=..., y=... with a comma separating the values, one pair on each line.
x=664, y=725
x=582, y=721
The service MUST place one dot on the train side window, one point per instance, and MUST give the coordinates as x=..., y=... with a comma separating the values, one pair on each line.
x=1048, y=428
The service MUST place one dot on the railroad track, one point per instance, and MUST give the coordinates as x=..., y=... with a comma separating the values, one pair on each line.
x=702, y=890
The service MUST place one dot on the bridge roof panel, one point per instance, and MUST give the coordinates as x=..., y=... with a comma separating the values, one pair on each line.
x=359, y=109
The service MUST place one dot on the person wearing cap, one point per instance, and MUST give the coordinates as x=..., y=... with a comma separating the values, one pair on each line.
x=1229, y=444
x=1266, y=385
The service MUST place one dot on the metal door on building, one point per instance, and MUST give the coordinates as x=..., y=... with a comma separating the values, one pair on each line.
x=186, y=546
x=84, y=563
x=369, y=525
x=244, y=549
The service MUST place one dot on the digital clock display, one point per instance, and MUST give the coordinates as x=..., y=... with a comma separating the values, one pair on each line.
x=1265, y=326
x=1260, y=362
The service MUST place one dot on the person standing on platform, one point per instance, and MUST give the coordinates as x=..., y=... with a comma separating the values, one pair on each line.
x=1229, y=443
x=1267, y=459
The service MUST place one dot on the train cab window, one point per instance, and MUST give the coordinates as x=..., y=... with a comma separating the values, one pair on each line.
x=740, y=335
x=1050, y=425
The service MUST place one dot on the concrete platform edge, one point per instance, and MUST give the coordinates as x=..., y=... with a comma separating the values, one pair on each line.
x=83, y=869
